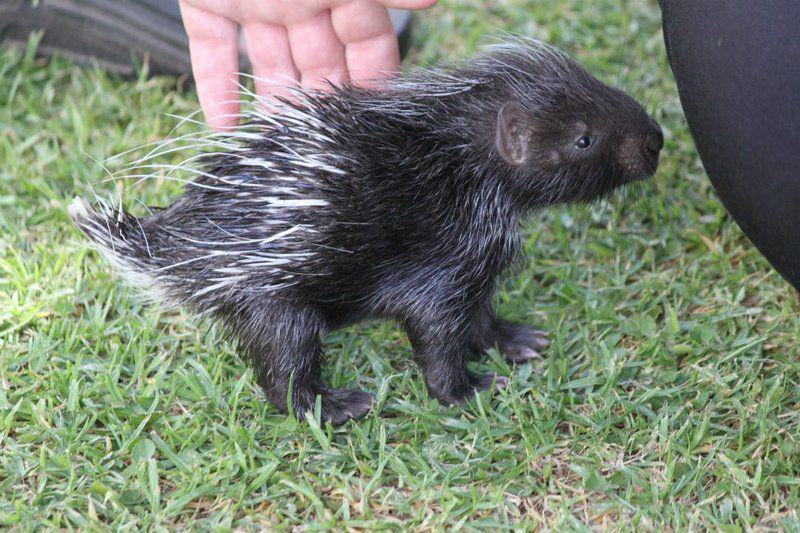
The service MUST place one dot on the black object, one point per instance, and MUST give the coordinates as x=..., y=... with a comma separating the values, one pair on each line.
x=737, y=64
x=110, y=32
x=116, y=32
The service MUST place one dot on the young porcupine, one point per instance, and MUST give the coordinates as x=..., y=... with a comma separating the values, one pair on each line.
x=400, y=201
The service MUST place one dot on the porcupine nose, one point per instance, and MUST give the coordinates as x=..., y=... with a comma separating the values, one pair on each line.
x=653, y=143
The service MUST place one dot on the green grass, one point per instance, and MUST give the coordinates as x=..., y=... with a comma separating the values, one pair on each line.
x=668, y=398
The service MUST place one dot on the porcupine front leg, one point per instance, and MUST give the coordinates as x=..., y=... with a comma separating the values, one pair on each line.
x=283, y=345
x=441, y=343
x=517, y=342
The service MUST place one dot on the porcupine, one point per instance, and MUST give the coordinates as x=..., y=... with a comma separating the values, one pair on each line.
x=400, y=201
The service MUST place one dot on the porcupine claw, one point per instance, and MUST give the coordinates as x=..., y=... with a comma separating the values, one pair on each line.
x=520, y=343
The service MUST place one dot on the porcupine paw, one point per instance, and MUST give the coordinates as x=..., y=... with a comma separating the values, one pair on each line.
x=477, y=383
x=481, y=382
x=341, y=405
x=520, y=343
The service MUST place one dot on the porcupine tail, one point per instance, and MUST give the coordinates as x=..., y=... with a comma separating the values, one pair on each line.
x=121, y=239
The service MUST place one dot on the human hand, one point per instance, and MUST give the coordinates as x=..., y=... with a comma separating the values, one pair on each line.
x=288, y=42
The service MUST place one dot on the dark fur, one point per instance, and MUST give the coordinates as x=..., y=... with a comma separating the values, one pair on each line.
x=439, y=168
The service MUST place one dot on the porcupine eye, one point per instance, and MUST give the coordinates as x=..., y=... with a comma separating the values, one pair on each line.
x=583, y=142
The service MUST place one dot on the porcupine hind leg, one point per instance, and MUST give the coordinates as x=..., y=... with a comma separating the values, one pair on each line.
x=283, y=344
x=441, y=344
x=517, y=342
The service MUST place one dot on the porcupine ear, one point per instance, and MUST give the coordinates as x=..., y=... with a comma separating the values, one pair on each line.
x=513, y=136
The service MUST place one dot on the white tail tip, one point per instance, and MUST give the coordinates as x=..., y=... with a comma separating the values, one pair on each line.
x=79, y=209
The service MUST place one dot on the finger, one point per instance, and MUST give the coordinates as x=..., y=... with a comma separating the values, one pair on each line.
x=408, y=4
x=271, y=58
x=215, y=59
x=317, y=52
x=371, y=48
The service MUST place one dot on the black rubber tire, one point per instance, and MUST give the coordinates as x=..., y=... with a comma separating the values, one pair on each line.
x=737, y=64
x=112, y=33
x=118, y=33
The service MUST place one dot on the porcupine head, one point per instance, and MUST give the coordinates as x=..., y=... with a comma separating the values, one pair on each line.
x=399, y=201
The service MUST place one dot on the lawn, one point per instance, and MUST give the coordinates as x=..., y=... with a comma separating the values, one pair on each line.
x=669, y=396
